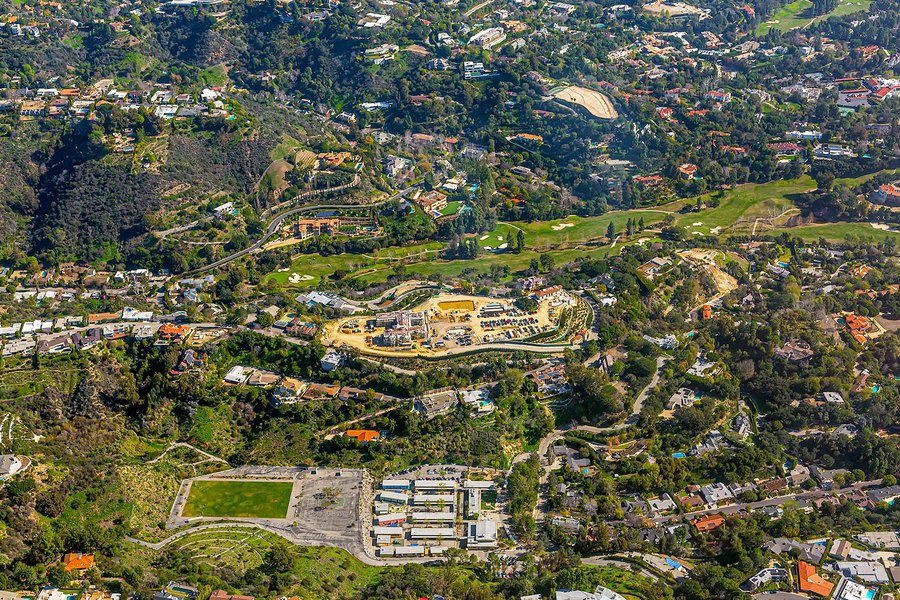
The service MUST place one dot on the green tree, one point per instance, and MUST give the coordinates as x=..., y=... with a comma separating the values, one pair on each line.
x=547, y=262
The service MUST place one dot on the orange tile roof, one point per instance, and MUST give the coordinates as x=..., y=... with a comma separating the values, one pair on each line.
x=76, y=561
x=856, y=322
x=172, y=330
x=861, y=270
x=364, y=435
x=810, y=581
x=708, y=522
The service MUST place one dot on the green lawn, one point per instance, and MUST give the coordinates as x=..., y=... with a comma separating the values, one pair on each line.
x=454, y=268
x=287, y=148
x=836, y=232
x=853, y=182
x=406, y=251
x=258, y=499
x=795, y=14
x=574, y=237
x=451, y=209
x=541, y=235
x=502, y=234
x=318, y=267
x=748, y=201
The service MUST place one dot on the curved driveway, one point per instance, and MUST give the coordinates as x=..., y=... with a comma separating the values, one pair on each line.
x=276, y=222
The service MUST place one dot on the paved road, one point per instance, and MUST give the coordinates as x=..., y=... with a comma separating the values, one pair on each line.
x=645, y=393
x=469, y=12
x=611, y=561
x=776, y=501
x=311, y=194
x=181, y=228
x=276, y=222
x=290, y=534
x=497, y=346
x=269, y=332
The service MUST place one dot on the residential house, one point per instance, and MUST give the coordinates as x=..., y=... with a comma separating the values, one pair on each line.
x=765, y=577
x=795, y=351
x=10, y=464
x=867, y=572
x=289, y=391
x=77, y=561
x=716, y=493
x=708, y=523
x=887, y=194
x=688, y=171
x=810, y=581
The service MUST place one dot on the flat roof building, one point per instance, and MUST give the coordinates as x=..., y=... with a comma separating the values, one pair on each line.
x=432, y=533
x=482, y=534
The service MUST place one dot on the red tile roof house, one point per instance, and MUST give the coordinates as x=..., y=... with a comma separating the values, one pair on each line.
x=888, y=193
x=718, y=96
x=688, y=171
x=76, y=561
x=708, y=522
x=648, y=180
x=785, y=148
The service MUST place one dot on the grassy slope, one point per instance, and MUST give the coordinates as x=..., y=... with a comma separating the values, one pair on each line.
x=837, y=232
x=586, y=236
x=747, y=201
x=792, y=15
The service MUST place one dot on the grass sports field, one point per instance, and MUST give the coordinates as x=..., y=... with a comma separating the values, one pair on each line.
x=256, y=499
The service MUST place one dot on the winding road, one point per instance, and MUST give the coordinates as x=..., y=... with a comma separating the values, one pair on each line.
x=276, y=222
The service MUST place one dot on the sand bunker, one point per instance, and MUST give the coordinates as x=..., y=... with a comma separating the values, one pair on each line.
x=297, y=278
x=562, y=226
x=596, y=103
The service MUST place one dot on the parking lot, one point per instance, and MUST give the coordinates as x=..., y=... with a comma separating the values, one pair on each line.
x=328, y=503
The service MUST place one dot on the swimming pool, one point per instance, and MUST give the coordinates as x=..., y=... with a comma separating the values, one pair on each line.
x=678, y=455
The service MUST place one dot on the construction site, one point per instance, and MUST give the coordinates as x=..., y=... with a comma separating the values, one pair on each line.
x=449, y=322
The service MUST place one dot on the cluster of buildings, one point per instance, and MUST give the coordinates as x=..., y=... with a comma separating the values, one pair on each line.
x=78, y=104
x=425, y=517
x=290, y=390
x=401, y=328
x=65, y=334
x=333, y=225
x=432, y=403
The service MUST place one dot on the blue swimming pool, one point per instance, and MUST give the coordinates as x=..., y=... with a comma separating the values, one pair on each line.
x=678, y=455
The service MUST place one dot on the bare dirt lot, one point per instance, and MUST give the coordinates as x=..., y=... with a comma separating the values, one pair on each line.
x=594, y=102
x=724, y=282
x=672, y=8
